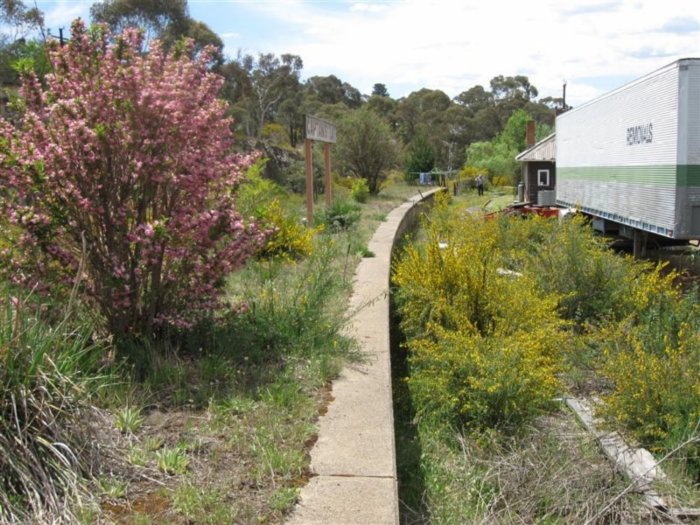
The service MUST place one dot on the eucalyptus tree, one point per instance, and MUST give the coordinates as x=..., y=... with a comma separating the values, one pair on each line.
x=17, y=20
x=272, y=79
x=380, y=90
x=331, y=90
x=166, y=20
x=154, y=17
x=366, y=148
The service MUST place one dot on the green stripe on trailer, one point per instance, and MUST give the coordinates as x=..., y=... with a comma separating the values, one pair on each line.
x=663, y=175
x=689, y=175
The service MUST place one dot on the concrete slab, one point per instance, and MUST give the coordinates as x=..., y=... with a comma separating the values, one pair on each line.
x=347, y=501
x=356, y=435
x=354, y=458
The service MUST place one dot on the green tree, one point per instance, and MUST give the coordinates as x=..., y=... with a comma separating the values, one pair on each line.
x=332, y=90
x=166, y=20
x=385, y=107
x=512, y=87
x=17, y=20
x=498, y=156
x=420, y=158
x=17, y=53
x=272, y=80
x=380, y=90
x=420, y=113
x=514, y=133
x=154, y=17
x=365, y=148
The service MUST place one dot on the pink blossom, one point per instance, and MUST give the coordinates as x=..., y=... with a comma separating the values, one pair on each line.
x=110, y=151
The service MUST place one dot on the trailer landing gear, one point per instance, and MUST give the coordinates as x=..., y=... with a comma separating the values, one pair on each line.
x=639, y=244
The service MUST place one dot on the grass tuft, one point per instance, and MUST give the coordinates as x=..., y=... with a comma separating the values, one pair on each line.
x=44, y=393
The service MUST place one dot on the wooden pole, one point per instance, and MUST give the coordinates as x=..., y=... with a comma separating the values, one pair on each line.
x=328, y=183
x=309, y=163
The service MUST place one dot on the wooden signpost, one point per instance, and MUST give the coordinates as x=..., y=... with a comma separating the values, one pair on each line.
x=322, y=131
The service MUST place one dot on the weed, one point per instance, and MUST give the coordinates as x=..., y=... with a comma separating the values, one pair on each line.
x=341, y=215
x=284, y=498
x=480, y=356
x=137, y=456
x=129, y=420
x=152, y=443
x=172, y=460
x=475, y=359
x=289, y=308
x=112, y=487
x=203, y=505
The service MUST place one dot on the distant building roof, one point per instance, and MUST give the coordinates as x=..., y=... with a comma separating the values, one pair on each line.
x=544, y=150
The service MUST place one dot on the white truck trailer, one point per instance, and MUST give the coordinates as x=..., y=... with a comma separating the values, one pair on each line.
x=631, y=158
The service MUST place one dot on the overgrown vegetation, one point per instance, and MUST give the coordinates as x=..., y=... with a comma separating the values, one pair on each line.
x=509, y=314
x=123, y=259
x=474, y=360
x=225, y=409
x=47, y=380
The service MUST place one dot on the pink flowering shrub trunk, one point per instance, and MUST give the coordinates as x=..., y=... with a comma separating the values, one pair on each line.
x=126, y=157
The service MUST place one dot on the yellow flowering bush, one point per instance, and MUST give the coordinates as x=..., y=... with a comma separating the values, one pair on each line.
x=652, y=359
x=261, y=198
x=289, y=239
x=483, y=340
x=501, y=180
x=484, y=382
x=495, y=310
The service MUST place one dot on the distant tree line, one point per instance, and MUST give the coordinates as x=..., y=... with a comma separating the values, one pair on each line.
x=268, y=98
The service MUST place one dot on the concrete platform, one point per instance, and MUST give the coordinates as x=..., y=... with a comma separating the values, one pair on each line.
x=354, y=458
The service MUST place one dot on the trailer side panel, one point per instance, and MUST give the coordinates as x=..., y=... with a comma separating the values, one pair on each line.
x=631, y=156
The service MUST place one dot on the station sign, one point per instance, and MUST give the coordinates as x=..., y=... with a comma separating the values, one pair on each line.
x=319, y=129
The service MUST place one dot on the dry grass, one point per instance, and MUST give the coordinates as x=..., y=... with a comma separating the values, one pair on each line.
x=554, y=474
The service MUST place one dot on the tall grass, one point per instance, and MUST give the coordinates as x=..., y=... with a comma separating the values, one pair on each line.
x=43, y=395
x=289, y=308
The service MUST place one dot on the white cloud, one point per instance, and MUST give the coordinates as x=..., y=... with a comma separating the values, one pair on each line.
x=62, y=13
x=453, y=46
x=229, y=36
x=362, y=6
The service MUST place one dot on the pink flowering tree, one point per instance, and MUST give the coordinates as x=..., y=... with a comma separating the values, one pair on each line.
x=121, y=173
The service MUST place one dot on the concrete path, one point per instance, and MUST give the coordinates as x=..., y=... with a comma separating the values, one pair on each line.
x=354, y=459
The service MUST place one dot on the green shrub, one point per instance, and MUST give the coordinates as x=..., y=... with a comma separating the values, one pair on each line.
x=593, y=281
x=341, y=215
x=360, y=190
x=343, y=182
x=290, y=307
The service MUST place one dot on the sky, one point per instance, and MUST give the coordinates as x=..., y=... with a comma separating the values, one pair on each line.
x=594, y=46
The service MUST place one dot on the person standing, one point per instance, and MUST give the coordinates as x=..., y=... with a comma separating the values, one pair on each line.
x=480, y=184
